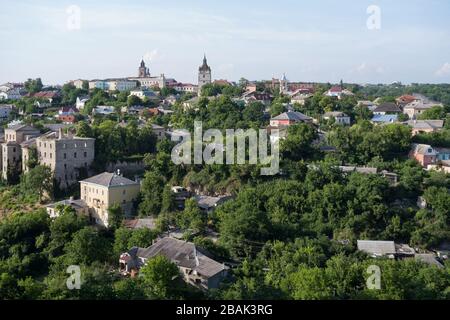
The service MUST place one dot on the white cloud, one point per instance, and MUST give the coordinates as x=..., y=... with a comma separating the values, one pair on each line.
x=366, y=68
x=151, y=56
x=444, y=70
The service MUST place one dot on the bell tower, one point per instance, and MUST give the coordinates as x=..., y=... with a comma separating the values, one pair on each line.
x=144, y=72
x=204, y=74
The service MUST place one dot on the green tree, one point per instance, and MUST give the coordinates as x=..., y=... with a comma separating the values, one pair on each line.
x=161, y=278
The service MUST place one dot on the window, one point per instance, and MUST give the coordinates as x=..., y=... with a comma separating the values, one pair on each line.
x=124, y=192
x=75, y=155
x=65, y=155
x=85, y=154
x=65, y=166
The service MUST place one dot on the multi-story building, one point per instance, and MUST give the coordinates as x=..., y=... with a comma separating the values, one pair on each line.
x=66, y=155
x=11, y=151
x=106, y=190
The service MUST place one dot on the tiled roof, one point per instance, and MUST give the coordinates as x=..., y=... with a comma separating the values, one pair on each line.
x=107, y=179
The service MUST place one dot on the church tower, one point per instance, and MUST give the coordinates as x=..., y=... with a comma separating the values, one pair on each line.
x=144, y=72
x=204, y=74
x=284, y=84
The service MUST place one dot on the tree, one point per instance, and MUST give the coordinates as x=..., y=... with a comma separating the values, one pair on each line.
x=84, y=130
x=298, y=143
x=115, y=216
x=33, y=85
x=434, y=113
x=168, y=200
x=161, y=278
x=191, y=218
x=38, y=180
x=134, y=101
x=152, y=189
x=86, y=247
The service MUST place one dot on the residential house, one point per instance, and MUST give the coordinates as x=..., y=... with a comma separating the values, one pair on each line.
x=338, y=92
x=424, y=154
x=186, y=87
x=378, y=249
x=254, y=96
x=106, y=190
x=79, y=206
x=387, y=108
x=340, y=117
x=159, y=131
x=144, y=93
x=289, y=118
x=46, y=96
x=66, y=155
x=368, y=104
x=104, y=110
x=300, y=96
x=13, y=94
x=195, y=266
x=418, y=106
x=5, y=111
x=81, y=102
x=208, y=204
x=425, y=126
x=405, y=100
x=144, y=223
x=67, y=115
x=384, y=119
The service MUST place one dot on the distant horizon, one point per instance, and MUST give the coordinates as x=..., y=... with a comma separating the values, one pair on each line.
x=59, y=42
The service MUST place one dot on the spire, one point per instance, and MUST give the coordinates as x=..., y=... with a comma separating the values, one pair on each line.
x=204, y=59
x=142, y=63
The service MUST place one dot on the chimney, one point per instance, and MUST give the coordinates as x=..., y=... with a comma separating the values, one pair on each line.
x=118, y=172
x=61, y=133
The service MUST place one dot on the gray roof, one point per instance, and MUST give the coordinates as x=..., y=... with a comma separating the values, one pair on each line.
x=365, y=170
x=183, y=254
x=149, y=223
x=292, y=115
x=377, y=248
x=387, y=107
x=207, y=202
x=107, y=179
x=426, y=124
x=334, y=114
x=76, y=204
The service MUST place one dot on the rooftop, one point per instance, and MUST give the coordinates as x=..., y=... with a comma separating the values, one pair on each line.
x=107, y=179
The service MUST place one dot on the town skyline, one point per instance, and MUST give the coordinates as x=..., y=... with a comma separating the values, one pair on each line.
x=257, y=43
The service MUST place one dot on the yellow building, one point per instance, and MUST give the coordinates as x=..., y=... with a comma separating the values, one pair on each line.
x=106, y=190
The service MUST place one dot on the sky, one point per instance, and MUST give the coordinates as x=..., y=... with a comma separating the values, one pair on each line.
x=315, y=41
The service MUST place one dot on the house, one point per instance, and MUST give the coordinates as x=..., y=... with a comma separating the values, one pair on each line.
x=208, y=204
x=181, y=195
x=254, y=96
x=191, y=103
x=196, y=268
x=103, y=110
x=430, y=259
x=106, y=190
x=13, y=94
x=335, y=91
x=79, y=206
x=186, y=87
x=340, y=117
x=384, y=119
x=159, y=131
x=363, y=170
x=300, y=96
x=81, y=102
x=368, y=104
x=67, y=115
x=171, y=99
x=5, y=110
x=405, y=99
x=289, y=118
x=424, y=154
x=425, y=126
x=378, y=249
x=417, y=107
x=443, y=154
x=145, y=223
x=66, y=155
x=47, y=96
x=144, y=93
x=387, y=108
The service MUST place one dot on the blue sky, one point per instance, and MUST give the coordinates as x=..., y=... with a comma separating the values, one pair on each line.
x=322, y=40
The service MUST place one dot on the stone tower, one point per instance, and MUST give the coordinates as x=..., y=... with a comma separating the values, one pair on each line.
x=144, y=72
x=284, y=84
x=204, y=74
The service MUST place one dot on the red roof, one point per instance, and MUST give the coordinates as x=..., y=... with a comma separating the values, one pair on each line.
x=336, y=89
